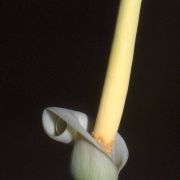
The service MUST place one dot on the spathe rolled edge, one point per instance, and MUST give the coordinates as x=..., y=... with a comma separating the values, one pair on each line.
x=73, y=123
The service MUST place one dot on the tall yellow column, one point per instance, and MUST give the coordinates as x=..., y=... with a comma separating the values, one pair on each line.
x=118, y=74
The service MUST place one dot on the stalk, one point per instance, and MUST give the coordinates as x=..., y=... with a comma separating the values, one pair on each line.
x=118, y=74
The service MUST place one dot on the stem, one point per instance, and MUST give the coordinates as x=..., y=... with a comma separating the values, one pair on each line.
x=118, y=74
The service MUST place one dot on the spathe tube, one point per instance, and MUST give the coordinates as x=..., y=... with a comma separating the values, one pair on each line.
x=66, y=126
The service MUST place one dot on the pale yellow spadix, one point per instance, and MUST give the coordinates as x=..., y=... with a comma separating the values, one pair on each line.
x=118, y=74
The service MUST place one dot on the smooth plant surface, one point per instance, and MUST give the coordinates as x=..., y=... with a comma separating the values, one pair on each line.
x=88, y=161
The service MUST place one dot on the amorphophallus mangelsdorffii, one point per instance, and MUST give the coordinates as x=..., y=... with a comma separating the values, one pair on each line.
x=102, y=153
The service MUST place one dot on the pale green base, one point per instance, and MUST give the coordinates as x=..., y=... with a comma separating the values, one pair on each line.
x=89, y=163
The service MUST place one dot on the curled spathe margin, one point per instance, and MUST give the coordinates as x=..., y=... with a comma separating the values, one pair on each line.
x=65, y=125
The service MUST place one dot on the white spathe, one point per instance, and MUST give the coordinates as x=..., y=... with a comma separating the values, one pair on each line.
x=65, y=125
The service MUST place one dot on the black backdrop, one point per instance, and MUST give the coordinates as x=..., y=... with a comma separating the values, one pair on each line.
x=55, y=53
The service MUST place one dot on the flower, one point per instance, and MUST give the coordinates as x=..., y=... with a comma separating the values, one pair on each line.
x=89, y=161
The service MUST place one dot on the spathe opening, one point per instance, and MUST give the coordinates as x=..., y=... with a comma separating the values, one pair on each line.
x=54, y=124
x=60, y=126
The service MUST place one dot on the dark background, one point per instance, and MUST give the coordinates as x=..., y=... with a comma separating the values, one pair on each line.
x=55, y=53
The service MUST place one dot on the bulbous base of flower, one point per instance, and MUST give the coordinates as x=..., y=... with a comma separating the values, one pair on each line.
x=89, y=163
x=89, y=159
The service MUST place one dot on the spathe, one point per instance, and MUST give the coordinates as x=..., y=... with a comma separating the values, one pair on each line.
x=64, y=125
